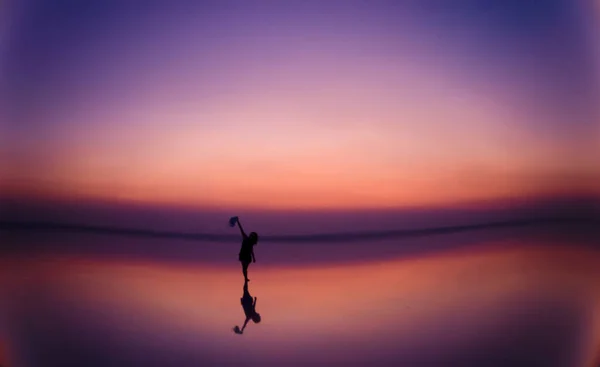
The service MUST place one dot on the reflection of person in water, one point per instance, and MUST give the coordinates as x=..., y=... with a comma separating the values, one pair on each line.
x=246, y=255
x=249, y=306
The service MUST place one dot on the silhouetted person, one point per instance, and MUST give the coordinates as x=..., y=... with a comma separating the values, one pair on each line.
x=249, y=306
x=246, y=255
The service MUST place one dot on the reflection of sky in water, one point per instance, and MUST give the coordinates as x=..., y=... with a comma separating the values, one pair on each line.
x=496, y=306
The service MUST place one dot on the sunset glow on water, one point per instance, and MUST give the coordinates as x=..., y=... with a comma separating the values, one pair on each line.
x=452, y=307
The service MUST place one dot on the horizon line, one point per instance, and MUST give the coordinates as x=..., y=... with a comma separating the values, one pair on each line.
x=47, y=226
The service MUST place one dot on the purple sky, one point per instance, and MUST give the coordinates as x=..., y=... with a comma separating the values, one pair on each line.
x=301, y=117
x=343, y=104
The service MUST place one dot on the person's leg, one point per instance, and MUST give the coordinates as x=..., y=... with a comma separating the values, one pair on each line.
x=245, y=270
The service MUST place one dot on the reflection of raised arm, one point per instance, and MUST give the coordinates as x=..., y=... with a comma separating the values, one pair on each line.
x=241, y=229
x=254, y=305
x=245, y=323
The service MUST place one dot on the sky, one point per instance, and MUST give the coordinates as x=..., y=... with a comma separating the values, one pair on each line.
x=299, y=105
x=419, y=113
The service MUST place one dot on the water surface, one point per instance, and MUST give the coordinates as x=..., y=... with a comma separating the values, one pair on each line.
x=494, y=301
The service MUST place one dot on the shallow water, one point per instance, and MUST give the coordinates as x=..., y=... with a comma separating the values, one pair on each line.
x=492, y=302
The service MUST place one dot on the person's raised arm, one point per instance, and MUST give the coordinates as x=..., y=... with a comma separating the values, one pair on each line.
x=255, y=299
x=241, y=229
